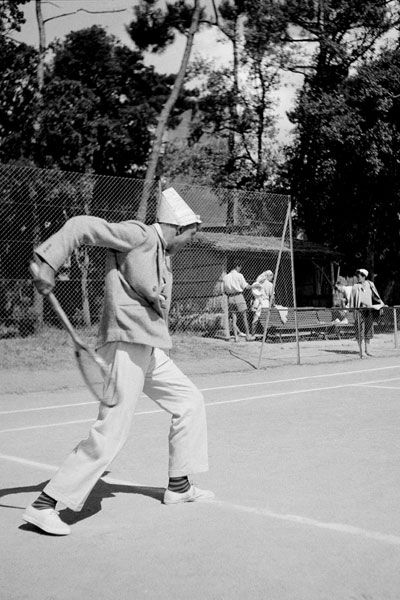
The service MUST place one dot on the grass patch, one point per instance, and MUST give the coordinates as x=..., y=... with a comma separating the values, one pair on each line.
x=52, y=348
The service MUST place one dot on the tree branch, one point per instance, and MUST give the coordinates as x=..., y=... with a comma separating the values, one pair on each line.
x=6, y=35
x=300, y=40
x=91, y=12
x=216, y=14
x=294, y=69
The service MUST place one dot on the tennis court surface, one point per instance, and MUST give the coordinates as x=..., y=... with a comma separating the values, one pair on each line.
x=305, y=464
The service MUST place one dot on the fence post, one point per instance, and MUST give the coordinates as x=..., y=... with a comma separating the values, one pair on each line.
x=278, y=262
x=395, y=326
x=293, y=282
x=224, y=303
x=359, y=336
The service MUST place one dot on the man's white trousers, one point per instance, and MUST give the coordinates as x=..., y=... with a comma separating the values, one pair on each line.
x=136, y=368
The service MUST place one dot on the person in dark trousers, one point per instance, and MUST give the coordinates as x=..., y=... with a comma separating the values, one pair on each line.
x=365, y=296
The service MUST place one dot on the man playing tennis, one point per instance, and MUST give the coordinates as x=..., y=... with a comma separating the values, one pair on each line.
x=133, y=337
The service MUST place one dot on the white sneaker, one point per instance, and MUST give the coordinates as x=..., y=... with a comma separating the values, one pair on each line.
x=47, y=520
x=194, y=494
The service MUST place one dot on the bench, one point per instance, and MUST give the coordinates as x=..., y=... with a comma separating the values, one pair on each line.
x=311, y=322
x=308, y=324
x=341, y=327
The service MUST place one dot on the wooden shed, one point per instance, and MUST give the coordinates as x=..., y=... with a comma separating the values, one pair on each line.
x=199, y=267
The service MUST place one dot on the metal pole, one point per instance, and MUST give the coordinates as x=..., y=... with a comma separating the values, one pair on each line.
x=359, y=332
x=274, y=284
x=293, y=281
x=395, y=326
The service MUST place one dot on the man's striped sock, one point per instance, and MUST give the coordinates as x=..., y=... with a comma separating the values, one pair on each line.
x=179, y=484
x=44, y=501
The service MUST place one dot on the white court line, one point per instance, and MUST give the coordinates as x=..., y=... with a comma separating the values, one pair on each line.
x=46, y=426
x=381, y=387
x=393, y=540
x=53, y=469
x=51, y=407
x=292, y=379
x=223, y=387
x=366, y=383
x=28, y=463
x=217, y=403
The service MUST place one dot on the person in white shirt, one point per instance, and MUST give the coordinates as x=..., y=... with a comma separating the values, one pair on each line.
x=365, y=296
x=234, y=285
x=263, y=292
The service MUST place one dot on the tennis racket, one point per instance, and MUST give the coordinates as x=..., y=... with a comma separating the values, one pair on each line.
x=94, y=370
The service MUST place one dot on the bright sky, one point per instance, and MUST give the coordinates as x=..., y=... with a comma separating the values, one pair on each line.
x=208, y=43
x=115, y=23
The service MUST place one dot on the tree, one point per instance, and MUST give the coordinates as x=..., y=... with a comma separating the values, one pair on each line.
x=343, y=34
x=78, y=121
x=98, y=103
x=17, y=96
x=235, y=103
x=153, y=29
x=352, y=199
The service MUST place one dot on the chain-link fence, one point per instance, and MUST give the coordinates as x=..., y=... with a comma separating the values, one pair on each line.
x=253, y=229
x=237, y=226
x=34, y=204
x=317, y=334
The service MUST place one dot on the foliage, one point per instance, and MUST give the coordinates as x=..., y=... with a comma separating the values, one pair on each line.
x=179, y=17
x=154, y=28
x=344, y=31
x=11, y=15
x=233, y=106
x=336, y=166
x=97, y=107
x=17, y=96
x=100, y=103
x=201, y=163
x=346, y=178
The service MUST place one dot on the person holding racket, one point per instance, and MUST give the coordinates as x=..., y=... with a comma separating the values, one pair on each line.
x=133, y=341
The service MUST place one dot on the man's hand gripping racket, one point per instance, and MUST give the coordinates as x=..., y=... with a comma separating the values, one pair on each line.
x=95, y=372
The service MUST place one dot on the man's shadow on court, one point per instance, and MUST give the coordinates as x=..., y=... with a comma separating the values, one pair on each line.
x=101, y=490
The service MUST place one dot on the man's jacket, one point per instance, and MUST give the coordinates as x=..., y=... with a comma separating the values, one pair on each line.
x=138, y=280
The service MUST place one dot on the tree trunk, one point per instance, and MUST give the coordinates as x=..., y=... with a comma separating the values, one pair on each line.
x=82, y=258
x=82, y=255
x=38, y=298
x=42, y=45
x=230, y=167
x=38, y=305
x=40, y=70
x=261, y=127
x=165, y=113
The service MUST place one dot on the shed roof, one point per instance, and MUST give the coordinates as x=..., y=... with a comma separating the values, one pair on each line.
x=234, y=242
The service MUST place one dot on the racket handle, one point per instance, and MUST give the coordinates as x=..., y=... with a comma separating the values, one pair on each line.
x=34, y=269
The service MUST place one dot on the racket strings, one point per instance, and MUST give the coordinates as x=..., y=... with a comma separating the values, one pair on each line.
x=96, y=376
